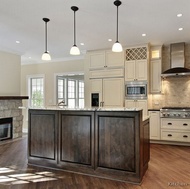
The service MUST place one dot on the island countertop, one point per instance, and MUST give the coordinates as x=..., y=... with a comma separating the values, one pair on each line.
x=60, y=108
x=110, y=143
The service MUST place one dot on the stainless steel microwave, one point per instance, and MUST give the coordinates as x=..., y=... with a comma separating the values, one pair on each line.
x=136, y=90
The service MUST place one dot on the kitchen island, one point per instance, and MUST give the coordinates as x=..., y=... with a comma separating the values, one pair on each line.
x=107, y=143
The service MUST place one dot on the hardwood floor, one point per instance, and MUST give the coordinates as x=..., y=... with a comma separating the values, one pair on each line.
x=169, y=167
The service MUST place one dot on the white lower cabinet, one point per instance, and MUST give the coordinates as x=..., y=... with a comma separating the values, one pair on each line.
x=154, y=121
x=138, y=104
x=111, y=91
x=175, y=129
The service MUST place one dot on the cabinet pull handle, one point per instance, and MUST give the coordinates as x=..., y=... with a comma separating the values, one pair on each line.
x=185, y=124
x=170, y=135
x=185, y=136
x=169, y=123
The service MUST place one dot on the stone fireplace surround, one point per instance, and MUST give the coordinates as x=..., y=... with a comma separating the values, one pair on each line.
x=9, y=107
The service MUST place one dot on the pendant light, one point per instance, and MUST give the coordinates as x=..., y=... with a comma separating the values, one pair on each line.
x=74, y=49
x=46, y=55
x=117, y=46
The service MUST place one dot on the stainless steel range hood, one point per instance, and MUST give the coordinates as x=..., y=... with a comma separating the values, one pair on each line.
x=177, y=61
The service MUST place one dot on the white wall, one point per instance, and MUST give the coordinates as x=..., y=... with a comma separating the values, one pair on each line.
x=10, y=69
x=49, y=70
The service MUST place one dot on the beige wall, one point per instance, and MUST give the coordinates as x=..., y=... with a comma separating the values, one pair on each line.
x=10, y=65
x=49, y=70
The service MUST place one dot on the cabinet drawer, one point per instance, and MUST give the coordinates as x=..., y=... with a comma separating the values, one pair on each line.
x=175, y=124
x=175, y=135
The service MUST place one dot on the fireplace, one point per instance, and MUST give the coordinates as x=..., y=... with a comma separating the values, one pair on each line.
x=6, y=128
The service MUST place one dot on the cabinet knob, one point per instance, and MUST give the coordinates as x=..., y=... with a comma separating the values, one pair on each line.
x=185, y=124
x=185, y=136
x=169, y=123
x=170, y=135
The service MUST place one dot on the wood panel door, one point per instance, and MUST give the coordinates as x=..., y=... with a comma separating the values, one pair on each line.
x=42, y=136
x=116, y=143
x=76, y=139
x=113, y=92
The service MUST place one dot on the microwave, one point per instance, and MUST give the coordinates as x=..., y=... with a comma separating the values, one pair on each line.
x=136, y=90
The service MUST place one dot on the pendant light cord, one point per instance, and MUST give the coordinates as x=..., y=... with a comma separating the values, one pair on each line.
x=117, y=25
x=74, y=30
x=45, y=36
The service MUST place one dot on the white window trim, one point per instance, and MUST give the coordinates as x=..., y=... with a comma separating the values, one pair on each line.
x=55, y=82
x=28, y=88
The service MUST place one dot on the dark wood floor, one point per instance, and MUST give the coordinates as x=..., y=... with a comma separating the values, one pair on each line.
x=169, y=167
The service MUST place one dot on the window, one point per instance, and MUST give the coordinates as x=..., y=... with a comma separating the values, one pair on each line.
x=36, y=91
x=70, y=90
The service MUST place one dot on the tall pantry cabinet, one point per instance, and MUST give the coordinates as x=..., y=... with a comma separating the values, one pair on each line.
x=136, y=69
x=105, y=78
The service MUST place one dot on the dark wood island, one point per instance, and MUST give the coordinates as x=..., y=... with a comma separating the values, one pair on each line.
x=106, y=143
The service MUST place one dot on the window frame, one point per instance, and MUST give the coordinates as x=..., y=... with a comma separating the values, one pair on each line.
x=29, y=90
x=76, y=94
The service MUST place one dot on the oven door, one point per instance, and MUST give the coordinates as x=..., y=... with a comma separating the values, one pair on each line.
x=136, y=90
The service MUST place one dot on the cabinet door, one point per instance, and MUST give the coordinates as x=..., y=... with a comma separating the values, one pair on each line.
x=42, y=135
x=96, y=87
x=155, y=76
x=141, y=69
x=97, y=60
x=76, y=139
x=130, y=70
x=130, y=104
x=114, y=59
x=113, y=92
x=143, y=104
x=154, y=125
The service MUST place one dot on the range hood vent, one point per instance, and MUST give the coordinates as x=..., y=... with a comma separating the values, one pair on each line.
x=177, y=61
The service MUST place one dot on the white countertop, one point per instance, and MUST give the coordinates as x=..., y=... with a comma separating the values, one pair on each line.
x=86, y=109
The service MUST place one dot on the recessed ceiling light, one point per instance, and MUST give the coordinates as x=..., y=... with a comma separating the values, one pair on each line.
x=81, y=43
x=29, y=57
x=179, y=15
x=109, y=39
x=144, y=34
x=180, y=29
x=17, y=41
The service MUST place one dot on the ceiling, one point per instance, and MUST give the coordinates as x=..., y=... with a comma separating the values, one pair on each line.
x=95, y=23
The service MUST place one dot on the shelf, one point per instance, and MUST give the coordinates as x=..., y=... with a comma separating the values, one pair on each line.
x=14, y=97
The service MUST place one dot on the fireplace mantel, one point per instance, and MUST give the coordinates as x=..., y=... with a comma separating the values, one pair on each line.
x=13, y=97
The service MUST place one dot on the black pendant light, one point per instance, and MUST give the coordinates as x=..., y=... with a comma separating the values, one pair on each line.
x=46, y=55
x=117, y=46
x=74, y=49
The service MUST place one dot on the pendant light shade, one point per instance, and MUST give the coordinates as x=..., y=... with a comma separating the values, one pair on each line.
x=46, y=55
x=117, y=46
x=74, y=49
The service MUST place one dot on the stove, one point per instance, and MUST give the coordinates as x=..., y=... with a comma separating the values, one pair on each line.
x=175, y=112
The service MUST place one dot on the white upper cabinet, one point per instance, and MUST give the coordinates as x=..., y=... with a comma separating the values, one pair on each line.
x=136, y=70
x=156, y=81
x=156, y=69
x=105, y=59
x=114, y=59
x=136, y=64
x=97, y=60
